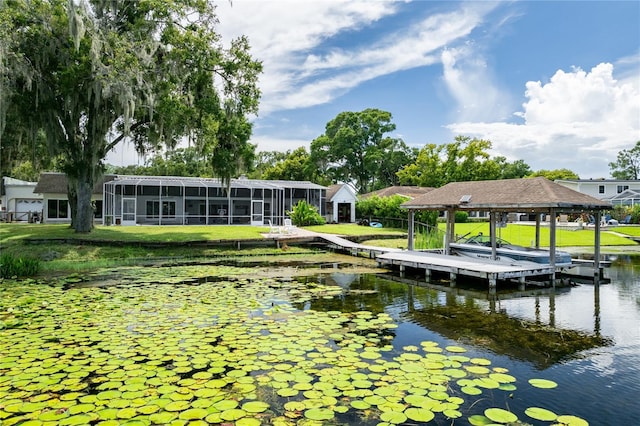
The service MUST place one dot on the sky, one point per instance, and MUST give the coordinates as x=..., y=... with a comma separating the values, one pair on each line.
x=553, y=83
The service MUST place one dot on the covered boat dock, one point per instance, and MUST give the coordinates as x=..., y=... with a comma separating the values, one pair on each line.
x=532, y=196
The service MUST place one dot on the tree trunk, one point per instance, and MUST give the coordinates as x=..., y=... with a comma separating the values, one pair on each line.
x=83, y=222
x=72, y=196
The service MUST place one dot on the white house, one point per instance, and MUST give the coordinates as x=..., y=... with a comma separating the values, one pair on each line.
x=18, y=202
x=341, y=204
x=602, y=189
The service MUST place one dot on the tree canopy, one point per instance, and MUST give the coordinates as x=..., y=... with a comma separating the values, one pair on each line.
x=354, y=149
x=91, y=74
x=465, y=159
x=627, y=165
x=555, y=174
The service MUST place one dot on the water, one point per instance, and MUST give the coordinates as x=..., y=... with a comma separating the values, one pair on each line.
x=585, y=338
x=600, y=383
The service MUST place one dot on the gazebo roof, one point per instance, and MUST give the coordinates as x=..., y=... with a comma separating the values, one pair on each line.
x=528, y=194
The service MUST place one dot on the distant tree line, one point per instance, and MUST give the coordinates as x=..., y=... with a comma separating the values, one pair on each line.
x=354, y=150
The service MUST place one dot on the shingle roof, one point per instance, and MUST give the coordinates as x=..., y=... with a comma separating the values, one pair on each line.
x=405, y=191
x=56, y=183
x=507, y=194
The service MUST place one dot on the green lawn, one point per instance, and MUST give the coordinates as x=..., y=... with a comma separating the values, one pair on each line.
x=152, y=233
x=351, y=229
x=525, y=235
x=633, y=231
x=517, y=234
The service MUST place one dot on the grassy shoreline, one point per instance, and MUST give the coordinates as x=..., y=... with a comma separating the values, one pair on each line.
x=61, y=249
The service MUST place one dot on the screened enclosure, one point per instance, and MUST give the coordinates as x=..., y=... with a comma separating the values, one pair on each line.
x=165, y=200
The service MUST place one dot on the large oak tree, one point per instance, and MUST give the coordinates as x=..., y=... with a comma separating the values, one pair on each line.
x=355, y=149
x=92, y=74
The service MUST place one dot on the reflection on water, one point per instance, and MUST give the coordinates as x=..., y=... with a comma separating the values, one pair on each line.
x=587, y=337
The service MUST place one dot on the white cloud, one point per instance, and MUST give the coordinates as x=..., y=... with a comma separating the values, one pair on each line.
x=267, y=143
x=577, y=120
x=469, y=81
x=286, y=35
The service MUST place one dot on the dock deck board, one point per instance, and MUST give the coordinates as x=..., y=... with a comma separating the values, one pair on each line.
x=432, y=261
x=463, y=266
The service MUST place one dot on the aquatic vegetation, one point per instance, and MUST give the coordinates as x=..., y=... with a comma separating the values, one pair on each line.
x=158, y=348
x=18, y=266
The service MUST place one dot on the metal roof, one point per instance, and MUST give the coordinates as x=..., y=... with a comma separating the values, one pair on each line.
x=212, y=182
x=57, y=182
x=528, y=194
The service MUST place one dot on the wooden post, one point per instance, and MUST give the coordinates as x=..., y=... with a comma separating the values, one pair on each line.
x=448, y=236
x=410, y=230
x=596, y=251
x=552, y=244
x=492, y=235
x=538, y=214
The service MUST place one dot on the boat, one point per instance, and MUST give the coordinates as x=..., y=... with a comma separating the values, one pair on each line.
x=479, y=246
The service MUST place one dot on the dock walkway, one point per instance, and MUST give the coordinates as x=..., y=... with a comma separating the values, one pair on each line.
x=429, y=262
x=458, y=265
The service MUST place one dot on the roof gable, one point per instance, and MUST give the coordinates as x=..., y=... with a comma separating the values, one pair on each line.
x=340, y=189
x=506, y=194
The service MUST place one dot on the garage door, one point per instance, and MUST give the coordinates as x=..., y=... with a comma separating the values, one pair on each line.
x=24, y=207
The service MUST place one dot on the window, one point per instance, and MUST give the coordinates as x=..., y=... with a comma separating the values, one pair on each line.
x=97, y=211
x=601, y=189
x=168, y=209
x=622, y=188
x=58, y=209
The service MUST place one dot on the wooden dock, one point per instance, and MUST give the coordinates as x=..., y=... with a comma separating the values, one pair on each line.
x=456, y=266
x=434, y=261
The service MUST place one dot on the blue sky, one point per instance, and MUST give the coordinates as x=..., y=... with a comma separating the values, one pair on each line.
x=553, y=83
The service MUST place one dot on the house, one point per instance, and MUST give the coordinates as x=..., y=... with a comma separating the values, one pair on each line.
x=52, y=187
x=18, y=202
x=602, y=189
x=173, y=200
x=341, y=204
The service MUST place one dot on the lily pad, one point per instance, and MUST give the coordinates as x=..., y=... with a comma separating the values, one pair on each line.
x=500, y=416
x=543, y=383
x=541, y=414
x=255, y=406
x=319, y=414
x=419, y=414
x=572, y=420
x=393, y=417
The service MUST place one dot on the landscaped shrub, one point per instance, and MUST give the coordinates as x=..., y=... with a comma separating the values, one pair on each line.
x=388, y=211
x=11, y=266
x=304, y=214
x=461, y=217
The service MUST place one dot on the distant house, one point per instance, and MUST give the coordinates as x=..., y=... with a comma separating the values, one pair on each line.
x=409, y=192
x=341, y=204
x=602, y=189
x=18, y=201
x=172, y=200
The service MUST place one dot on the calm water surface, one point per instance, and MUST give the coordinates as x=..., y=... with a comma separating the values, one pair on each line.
x=600, y=384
